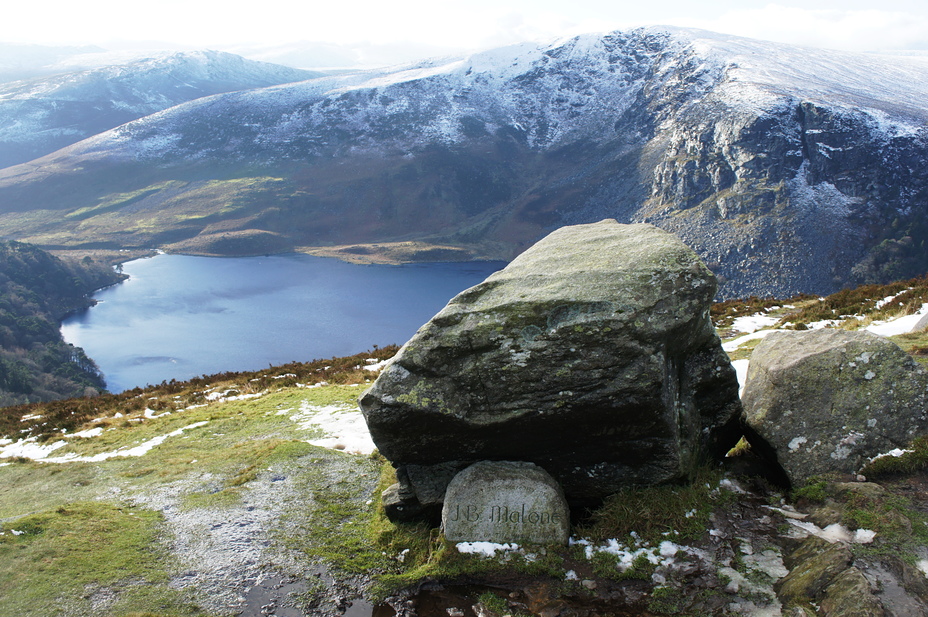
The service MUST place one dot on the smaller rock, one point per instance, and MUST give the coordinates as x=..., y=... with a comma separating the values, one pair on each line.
x=850, y=596
x=828, y=401
x=922, y=323
x=505, y=502
x=400, y=506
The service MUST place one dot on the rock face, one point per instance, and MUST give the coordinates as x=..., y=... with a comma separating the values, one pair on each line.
x=505, y=502
x=829, y=400
x=591, y=355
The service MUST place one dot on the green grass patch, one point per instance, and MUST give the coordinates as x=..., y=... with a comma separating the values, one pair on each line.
x=907, y=463
x=53, y=562
x=659, y=513
x=915, y=344
x=815, y=489
x=744, y=350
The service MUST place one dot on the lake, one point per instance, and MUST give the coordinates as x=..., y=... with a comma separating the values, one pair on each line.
x=180, y=316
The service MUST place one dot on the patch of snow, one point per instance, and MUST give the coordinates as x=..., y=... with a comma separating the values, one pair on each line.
x=139, y=450
x=895, y=452
x=741, y=370
x=753, y=323
x=28, y=448
x=835, y=532
x=923, y=566
x=825, y=323
x=902, y=325
x=344, y=426
x=375, y=365
x=487, y=549
x=92, y=432
x=734, y=344
x=224, y=396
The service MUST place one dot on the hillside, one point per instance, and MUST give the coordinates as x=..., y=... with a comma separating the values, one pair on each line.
x=43, y=114
x=36, y=291
x=256, y=493
x=788, y=169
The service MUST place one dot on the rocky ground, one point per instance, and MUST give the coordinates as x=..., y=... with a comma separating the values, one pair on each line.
x=248, y=494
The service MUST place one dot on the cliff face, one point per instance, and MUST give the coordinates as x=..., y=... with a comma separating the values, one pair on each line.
x=788, y=169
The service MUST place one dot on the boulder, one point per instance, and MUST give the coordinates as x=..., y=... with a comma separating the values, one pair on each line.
x=591, y=355
x=827, y=401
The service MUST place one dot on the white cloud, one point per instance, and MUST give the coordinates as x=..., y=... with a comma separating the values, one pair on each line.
x=847, y=24
x=857, y=30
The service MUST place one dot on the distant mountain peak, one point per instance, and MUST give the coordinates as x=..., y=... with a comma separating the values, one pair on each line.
x=788, y=169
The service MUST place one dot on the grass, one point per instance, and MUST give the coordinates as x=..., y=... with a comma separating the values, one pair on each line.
x=66, y=560
x=88, y=550
x=908, y=463
x=658, y=513
x=915, y=344
x=50, y=418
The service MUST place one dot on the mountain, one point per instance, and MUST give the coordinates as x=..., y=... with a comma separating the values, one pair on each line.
x=788, y=169
x=41, y=115
x=36, y=291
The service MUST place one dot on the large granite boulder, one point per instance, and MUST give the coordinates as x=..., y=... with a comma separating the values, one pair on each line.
x=591, y=355
x=827, y=401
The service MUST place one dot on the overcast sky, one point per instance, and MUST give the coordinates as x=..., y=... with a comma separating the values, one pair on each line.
x=462, y=25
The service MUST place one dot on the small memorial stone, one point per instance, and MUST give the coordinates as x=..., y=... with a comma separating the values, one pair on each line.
x=502, y=501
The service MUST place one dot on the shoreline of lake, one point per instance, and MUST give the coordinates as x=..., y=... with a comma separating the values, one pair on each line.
x=181, y=316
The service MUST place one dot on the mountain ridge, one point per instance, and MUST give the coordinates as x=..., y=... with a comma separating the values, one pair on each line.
x=43, y=114
x=788, y=169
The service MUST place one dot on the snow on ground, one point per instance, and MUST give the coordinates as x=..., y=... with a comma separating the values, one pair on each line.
x=487, y=549
x=91, y=432
x=835, y=532
x=741, y=369
x=734, y=344
x=344, y=426
x=139, y=450
x=902, y=325
x=753, y=323
x=27, y=448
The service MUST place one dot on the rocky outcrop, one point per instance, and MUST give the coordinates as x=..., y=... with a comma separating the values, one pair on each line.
x=591, y=355
x=830, y=400
x=822, y=574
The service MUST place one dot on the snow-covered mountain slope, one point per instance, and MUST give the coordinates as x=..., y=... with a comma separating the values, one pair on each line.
x=41, y=115
x=788, y=169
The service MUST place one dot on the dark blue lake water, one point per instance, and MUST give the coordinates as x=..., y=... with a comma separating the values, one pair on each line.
x=179, y=316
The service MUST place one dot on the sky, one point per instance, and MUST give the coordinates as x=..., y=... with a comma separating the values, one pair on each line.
x=433, y=26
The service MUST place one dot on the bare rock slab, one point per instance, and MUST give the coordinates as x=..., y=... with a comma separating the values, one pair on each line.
x=505, y=502
x=827, y=401
x=591, y=355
